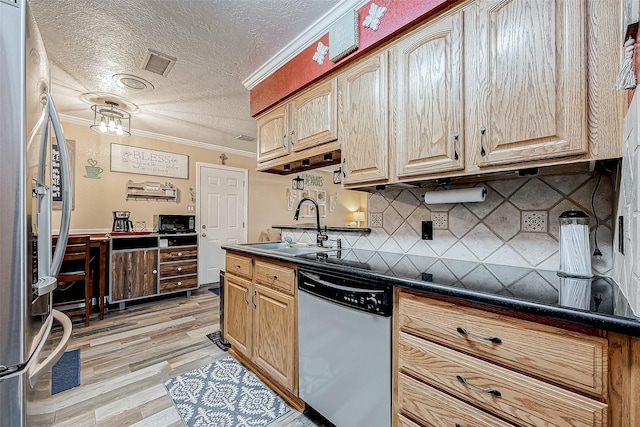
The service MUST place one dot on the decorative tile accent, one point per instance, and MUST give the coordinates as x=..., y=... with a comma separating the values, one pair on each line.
x=535, y=221
x=375, y=219
x=440, y=220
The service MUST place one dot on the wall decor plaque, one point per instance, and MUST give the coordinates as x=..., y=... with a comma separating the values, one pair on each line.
x=343, y=36
x=144, y=161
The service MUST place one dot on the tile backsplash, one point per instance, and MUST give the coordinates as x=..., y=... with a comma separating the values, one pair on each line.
x=517, y=224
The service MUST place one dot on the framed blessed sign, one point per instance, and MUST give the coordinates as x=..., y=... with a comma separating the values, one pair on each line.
x=144, y=161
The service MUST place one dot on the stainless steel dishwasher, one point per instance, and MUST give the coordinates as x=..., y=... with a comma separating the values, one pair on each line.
x=344, y=336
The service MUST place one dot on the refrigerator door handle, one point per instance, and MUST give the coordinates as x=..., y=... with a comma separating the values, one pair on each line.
x=13, y=371
x=65, y=189
x=36, y=371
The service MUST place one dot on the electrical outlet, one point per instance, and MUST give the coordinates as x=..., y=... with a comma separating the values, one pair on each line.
x=427, y=230
x=191, y=208
x=621, y=234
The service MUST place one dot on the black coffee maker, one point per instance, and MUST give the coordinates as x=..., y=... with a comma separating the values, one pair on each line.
x=121, y=221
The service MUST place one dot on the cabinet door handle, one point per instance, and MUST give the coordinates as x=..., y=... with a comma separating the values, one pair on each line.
x=475, y=387
x=344, y=169
x=253, y=299
x=455, y=145
x=155, y=271
x=482, y=131
x=272, y=276
x=246, y=292
x=293, y=141
x=284, y=141
x=459, y=425
x=463, y=331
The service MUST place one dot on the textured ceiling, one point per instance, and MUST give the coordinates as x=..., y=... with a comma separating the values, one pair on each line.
x=218, y=43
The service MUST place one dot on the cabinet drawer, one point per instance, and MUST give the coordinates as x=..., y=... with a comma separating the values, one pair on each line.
x=276, y=276
x=564, y=357
x=517, y=398
x=178, y=268
x=239, y=265
x=433, y=407
x=178, y=283
x=178, y=254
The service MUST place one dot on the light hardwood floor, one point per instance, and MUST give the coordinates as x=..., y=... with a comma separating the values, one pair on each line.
x=126, y=357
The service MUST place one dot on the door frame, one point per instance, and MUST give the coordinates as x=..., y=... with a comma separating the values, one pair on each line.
x=245, y=191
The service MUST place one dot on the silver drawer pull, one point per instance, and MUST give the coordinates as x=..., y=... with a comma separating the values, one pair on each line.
x=463, y=331
x=270, y=276
x=484, y=390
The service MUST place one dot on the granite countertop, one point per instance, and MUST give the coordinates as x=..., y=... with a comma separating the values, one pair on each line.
x=596, y=302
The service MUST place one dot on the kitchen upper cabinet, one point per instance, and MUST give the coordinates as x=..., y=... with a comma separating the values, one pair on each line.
x=301, y=133
x=363, y=112
x=525, y=63
x=314, y=116
x=273, y=134
x=427, y=91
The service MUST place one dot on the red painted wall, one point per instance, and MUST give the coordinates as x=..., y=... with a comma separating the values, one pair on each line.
x=302, y=70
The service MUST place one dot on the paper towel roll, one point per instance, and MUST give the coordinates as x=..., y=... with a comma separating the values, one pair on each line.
x=461, y=195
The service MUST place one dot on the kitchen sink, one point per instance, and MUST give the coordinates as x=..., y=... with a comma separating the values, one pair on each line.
x=286, y=248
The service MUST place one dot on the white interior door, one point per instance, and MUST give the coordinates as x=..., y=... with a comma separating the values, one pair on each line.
x=222, y=213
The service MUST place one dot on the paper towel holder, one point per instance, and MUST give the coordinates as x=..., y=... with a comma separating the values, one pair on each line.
x=460, y=195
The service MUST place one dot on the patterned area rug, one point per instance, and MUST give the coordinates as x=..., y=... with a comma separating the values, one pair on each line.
x=224, y=394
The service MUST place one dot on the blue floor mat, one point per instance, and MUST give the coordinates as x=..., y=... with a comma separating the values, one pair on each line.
x=215, y=291
x=66, y=372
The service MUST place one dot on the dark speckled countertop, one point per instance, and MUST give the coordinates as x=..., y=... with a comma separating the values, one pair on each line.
x=596, y=302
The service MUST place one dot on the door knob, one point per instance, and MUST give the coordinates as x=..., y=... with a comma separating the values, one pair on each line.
x=204, y=234
x=204, y=226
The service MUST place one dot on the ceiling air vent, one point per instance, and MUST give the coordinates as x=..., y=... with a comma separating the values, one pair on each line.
x=243, y=137
x=158, y=63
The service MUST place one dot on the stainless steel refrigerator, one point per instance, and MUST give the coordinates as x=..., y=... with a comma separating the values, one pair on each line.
x=28, y=121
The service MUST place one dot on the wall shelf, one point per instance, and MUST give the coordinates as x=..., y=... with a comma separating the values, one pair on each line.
x=151, y=191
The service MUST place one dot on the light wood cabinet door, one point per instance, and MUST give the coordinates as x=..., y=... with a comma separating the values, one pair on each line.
x=273, y=134
x=526, y=84
x=274, y=335
x=363, y=120
x=428, y=121
x=237, y=313
x=134, y=274
x=314, y=116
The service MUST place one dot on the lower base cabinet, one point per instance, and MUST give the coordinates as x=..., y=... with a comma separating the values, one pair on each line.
x=462, y=366
x=134, y=274
x=260, y=318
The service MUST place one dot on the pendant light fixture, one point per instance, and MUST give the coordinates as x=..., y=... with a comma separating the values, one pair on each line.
x=111, y=120
x=297, y=183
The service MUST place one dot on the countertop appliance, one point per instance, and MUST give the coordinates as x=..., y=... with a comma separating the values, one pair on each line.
x=121, y=221
x=174, y=224
x=344, y=341
x=27, y=269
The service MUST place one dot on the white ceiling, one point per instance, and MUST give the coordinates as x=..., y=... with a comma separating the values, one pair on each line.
x=218, y=44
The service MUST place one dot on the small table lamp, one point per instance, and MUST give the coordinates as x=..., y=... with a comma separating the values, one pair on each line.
x=358, y=216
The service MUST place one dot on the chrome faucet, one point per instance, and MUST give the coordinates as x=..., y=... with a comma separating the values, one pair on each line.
x=321, y=236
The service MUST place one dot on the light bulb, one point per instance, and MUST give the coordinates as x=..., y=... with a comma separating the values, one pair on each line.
x=112, y=124
x=103, y=125
x=119, y=126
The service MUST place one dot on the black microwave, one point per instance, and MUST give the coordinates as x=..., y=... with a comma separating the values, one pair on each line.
x=173, y=224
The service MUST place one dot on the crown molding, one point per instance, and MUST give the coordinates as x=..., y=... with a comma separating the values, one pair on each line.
x=173, y=139
x=297, y=45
